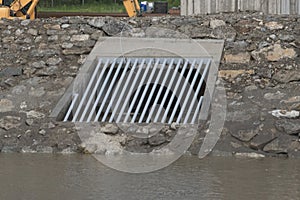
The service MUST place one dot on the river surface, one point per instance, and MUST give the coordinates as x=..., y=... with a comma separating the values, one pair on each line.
x=43, y=177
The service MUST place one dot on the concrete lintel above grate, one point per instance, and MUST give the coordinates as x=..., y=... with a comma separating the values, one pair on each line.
x=185, y=48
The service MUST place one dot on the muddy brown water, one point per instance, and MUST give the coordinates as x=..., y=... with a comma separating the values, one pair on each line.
x=42, y=177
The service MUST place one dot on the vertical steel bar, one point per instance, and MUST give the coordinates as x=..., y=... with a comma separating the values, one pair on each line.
x=138, y=90
x=131, y=89
x=123, y=92
x=197, y=91
x=165, y=95
x=74, y=99
x=97, y=85
x=189, y=92
x=152, y=91
x=117, y=89
x=104, y=85
x=87, y=91
x=107, y=93
x=174, y=92
x=160, y=89
x=181, y=92
x=93, y=94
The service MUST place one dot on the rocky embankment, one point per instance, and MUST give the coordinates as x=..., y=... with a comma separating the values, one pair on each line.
x=260, y=68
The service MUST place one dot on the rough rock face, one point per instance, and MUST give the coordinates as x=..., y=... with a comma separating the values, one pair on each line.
x=260, y=68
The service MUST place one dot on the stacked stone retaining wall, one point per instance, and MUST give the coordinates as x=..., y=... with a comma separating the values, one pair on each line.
x=260, y=68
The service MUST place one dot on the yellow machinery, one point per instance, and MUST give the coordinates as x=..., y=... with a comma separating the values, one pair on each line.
x=26, y=9
x=23, y=9
x=132, y=7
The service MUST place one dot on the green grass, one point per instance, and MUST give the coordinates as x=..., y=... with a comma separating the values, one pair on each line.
x=95, y=7
x=87, y=8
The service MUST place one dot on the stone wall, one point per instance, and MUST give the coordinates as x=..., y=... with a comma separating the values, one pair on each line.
x=260, y=67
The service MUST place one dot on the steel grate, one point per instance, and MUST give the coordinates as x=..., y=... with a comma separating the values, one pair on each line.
x=142, y=90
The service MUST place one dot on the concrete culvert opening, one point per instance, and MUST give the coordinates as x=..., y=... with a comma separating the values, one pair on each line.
x=149, y=83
